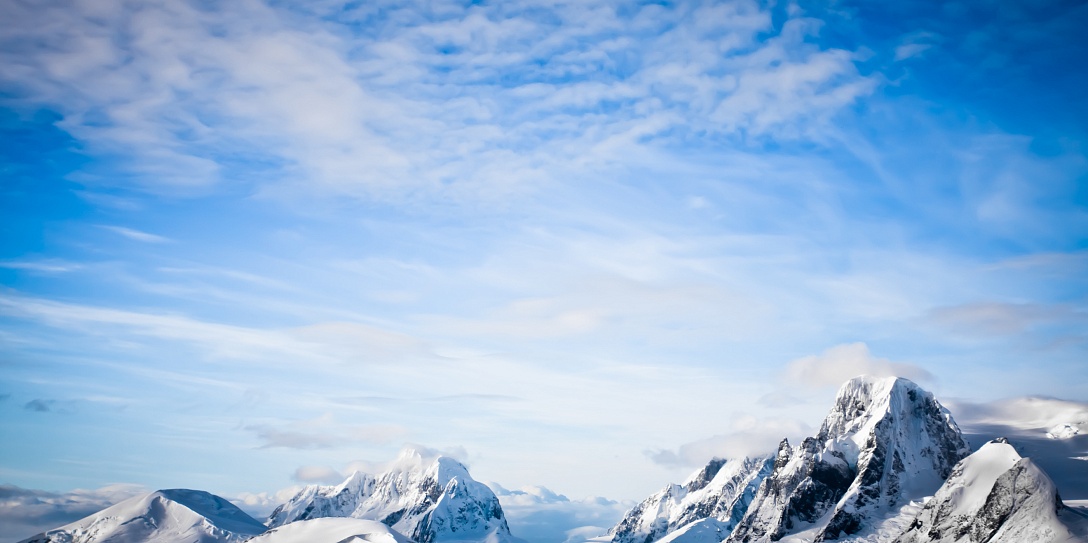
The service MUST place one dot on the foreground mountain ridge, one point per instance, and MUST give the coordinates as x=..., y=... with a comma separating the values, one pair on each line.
x=884, y=448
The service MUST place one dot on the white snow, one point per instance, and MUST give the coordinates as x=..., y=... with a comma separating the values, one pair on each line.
x=332, y=530
x=887, y=434
x=993, y=494
x=1063, y=431
x=707, y=530
x=724, y=497
x=427, y=499
x=165, y=516
x=979, y=474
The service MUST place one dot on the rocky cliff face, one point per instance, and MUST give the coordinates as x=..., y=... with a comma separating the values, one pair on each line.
x=884, y=442
x=721, y=491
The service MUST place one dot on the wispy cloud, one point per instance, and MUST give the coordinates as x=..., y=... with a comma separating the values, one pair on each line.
x=389, y=116
x=137, y=235
x=322, y=433
x=44, y=266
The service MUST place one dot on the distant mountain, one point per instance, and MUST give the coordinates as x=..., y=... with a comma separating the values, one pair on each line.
x=995, y=496
x=332, y=530
x=719, y=494
x=431, y=501
x=884, y=442
x=165, y=516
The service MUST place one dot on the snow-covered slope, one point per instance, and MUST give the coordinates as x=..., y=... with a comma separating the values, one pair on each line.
x=427, y=500
x=721, y=491
x=884, y=442
x=992, y=496
x=332, y=530
x=165, y=516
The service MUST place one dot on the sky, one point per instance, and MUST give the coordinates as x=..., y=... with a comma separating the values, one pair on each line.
x=581, y=246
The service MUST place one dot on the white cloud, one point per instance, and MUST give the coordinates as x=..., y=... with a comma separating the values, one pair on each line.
x=1001, y=319
x=136, y=235
x=260, y=505
x=318, y=474
x=426, y=109
x=844, y=362
x=43, y=266
x=910, y=50
x=1032, y=413
x=539, y=515
x=323, y=432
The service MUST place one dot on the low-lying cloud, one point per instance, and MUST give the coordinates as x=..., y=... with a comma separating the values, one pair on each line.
x=25, y=512
x=539, y=515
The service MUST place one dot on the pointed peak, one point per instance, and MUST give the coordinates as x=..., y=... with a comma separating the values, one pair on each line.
x=354, y=481
x=1004, y=440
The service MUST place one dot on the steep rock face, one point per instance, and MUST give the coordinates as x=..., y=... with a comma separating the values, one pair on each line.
x=720, y=491
x=992, y=496
x=884, y=442
x=165, y=516
x=429, y=501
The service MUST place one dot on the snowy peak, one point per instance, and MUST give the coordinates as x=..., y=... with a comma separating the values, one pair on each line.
x=426, y=498
x=885, y=441
x=716, y=496
x=165, y=516
x=993, y=496
x=906, y=445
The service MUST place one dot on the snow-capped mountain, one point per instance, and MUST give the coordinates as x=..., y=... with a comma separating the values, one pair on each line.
x=332, y=530
x=717, y=494
x=165, y=516
x=884, y=442
x=993, y=496
x=427, y=500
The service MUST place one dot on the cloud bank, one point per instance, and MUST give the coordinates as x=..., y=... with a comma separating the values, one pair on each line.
x=25, y=512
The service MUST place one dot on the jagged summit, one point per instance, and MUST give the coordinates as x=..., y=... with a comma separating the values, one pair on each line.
x=718, y=493
x=885, y=441
x=428, y=498
x=165, y=515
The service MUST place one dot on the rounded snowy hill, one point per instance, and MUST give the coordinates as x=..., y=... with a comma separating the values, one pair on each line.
x=164, y=516
x=995, y=496
x=332, y=530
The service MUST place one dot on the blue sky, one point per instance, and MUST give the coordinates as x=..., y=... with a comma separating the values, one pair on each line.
x=583, y=245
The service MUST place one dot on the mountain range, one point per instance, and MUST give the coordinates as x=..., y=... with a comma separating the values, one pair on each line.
x=888, y=464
